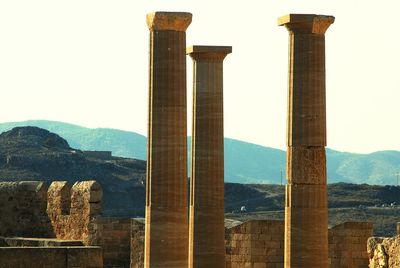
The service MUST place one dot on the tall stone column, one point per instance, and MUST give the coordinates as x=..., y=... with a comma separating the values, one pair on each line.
x=166, y=230
x=306, y=211
x=206, y=228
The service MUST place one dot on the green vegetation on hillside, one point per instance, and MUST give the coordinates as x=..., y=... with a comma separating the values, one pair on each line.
x=244, y=162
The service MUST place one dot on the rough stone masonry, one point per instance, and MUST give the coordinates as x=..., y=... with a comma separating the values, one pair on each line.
x=306, y=212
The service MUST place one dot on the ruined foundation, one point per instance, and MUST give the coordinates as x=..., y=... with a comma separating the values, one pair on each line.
x=166, y=242
x=60, y=226
x=306, y=212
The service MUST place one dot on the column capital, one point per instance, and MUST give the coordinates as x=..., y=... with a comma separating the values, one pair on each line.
x=173, y=21
x=208, y=52
x=306, y=23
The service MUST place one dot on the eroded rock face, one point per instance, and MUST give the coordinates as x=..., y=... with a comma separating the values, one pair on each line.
x=384, y=252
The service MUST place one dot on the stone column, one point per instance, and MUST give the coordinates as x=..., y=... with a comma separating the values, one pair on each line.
x=206, y=228
x=166, y=229
x=306, y=212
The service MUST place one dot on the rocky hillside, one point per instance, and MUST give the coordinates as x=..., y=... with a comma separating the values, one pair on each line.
x=31, y=153
x=244, y=162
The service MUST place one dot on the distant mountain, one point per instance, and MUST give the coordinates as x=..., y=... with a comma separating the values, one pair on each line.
x=121, y=143
x=244, y=162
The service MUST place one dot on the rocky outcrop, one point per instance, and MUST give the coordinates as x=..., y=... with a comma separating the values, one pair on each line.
x=384, y=252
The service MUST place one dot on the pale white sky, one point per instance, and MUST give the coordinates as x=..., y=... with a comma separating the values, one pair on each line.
x=85, y=62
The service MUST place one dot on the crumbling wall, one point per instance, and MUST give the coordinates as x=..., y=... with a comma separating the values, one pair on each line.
x=114, y=236
x=347, y=244
x=137, y=244
x=23, y=209
x=255, y=244
x=384, y=252
x=54, y=257
x=71, y=209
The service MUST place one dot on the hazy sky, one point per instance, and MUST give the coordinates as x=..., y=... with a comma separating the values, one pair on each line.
x=86, y=62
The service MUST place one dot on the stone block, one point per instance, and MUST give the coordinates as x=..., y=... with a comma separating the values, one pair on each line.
x=307, y=196
x=306, y=165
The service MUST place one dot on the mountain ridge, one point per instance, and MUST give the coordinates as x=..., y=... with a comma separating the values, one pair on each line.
x=244, y=162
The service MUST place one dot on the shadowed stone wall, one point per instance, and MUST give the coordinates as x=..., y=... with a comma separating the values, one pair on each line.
x=72, y=216
x=54, y=257
x=23, y=209
x=113, y=235
x=348, y=244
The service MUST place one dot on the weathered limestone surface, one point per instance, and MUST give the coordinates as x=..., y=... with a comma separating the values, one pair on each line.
x=72, y=209
x=54, y=257
x=348, y=244
x=307, y=101
x=306, y=165
x=166, y=181
x=72, y=219
x=384, y=252
x=255, y=244
x=206, y=228
x=306, y=213
x=137, y=244
x=75, y=215
x=23, y=209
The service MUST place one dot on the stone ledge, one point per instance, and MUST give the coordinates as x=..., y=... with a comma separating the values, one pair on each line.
x=38, y=242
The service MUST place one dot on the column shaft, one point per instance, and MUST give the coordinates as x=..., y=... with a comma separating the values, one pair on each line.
x=306, y=211
x=206, y=228
x=166, y=230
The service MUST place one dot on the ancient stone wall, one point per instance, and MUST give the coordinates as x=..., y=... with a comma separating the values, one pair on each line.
x=137, y=244
x=54, y=257
x=113, y=235
x=255, y=244
x=261, y=244
x=23, y=209
x=348, y=244
x=71, y=209
x=69, y=215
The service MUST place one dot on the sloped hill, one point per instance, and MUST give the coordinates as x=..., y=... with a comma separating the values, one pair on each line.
x=346, y=202
x=244, y=162
x=31, y=153
x=121, y=143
